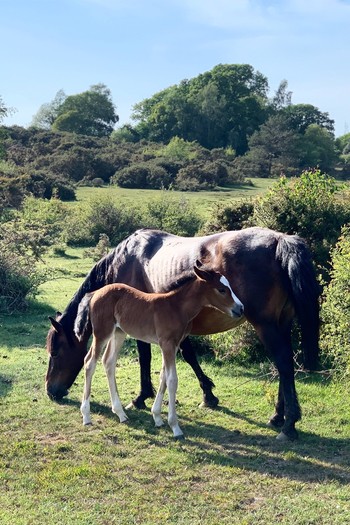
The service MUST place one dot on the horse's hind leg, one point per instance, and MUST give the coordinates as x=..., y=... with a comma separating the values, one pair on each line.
x=206, y=384
x=278, y=341
x=109, y=361
x=147, y=390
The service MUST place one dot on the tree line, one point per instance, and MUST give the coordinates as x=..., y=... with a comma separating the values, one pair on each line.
x=218, y=128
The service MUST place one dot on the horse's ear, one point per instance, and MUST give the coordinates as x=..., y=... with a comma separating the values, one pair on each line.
x=56, y=325
x=58, y=314
x=202, y=274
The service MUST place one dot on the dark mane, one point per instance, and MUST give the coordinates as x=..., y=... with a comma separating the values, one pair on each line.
x=186, y=278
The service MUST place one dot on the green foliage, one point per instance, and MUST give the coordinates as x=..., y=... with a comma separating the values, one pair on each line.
x=219, y=108
x=170, y=213
x=335, y=312
x=89, y=113
x=229, y=216
x=307, y=206
x=179, y=149
x=317, y=148
x=101, y=215
x=142, y=175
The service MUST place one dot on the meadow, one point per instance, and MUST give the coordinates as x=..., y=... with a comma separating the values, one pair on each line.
x=229, y=470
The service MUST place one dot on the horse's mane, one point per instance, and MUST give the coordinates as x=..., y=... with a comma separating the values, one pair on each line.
x=185, y=278
x=100, y=275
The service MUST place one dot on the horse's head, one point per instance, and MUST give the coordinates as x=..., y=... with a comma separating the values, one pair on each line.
x=66, y=358
x=219, y=292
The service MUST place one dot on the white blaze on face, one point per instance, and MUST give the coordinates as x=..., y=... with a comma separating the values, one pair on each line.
x=225, y=282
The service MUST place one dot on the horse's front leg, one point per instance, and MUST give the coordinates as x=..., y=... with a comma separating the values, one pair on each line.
x=109, y=361
x=206, y=384
x=147, y=390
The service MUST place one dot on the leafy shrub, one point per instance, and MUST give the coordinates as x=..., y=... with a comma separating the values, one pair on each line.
x=142, y=175
x=309, y=206
x=101, y=215
x=335, y=311
x=172, y=214
x=233, y=216
x=196, y=176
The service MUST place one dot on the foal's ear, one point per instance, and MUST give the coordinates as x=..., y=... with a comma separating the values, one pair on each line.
x=56, y=325
x=205, y=275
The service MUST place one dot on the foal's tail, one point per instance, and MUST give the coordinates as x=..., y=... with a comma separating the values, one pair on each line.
x=82, y=320
x=295, y=259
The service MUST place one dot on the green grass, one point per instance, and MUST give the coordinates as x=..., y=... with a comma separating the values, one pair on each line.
x=203, y=200
x=229, y=470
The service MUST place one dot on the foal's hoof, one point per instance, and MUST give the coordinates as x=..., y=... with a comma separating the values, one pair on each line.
x=180, y=437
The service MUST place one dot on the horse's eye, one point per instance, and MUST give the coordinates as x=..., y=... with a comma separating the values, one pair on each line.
x=222, y=291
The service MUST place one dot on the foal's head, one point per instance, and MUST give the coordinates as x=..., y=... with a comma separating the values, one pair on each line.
x=218, y=292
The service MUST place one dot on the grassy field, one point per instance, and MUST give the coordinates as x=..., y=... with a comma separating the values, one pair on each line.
x=203, y=200
x=229, y=470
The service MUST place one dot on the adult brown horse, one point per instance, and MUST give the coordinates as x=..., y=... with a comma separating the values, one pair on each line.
x=271, y=272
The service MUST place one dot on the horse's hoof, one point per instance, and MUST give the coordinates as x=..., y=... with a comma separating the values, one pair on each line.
x=210, y=403
x=180, y=437
x=87, y=423
x=276, y=423
x=282, y=437
x=136, y=403
x=124, y=421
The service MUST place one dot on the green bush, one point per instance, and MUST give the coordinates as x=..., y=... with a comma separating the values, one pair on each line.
x=309, y=206
x=101, y=215
x=233, y=216
x=142, y=175
x=170, y=213
x=335, y=311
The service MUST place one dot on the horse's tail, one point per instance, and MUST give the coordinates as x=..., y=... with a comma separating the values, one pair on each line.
x=296, y=262
x=82, y=320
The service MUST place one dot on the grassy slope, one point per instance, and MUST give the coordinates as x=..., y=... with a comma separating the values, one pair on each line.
x=229, y=470
x=203, y=200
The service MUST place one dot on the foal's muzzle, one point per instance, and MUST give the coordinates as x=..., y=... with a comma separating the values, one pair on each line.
x=237, y=311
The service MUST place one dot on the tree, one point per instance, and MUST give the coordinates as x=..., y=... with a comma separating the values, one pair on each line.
x=282, y=98
x=317, y=148
x=48, y=112
x=89, y=113
x=272, y=149
x=219, y=108
x=301, y=116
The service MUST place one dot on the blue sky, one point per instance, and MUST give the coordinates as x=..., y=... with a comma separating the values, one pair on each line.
x=139, y=47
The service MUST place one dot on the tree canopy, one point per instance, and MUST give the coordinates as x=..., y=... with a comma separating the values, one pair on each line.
x=219, y=108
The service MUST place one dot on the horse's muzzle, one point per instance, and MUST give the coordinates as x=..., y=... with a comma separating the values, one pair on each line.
x=56, y=393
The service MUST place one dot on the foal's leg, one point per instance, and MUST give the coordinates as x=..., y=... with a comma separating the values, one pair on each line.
x=206, y=384
x=157, y=405
x=169, y=371
x=89, y=369
x=109, y=361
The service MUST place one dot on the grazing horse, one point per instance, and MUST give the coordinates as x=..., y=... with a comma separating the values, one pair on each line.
x=163, y=318
x=272, y=274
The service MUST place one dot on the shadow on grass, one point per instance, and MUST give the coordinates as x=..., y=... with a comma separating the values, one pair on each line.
x=26, y=329
x=5, y=385
x=311, y=459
